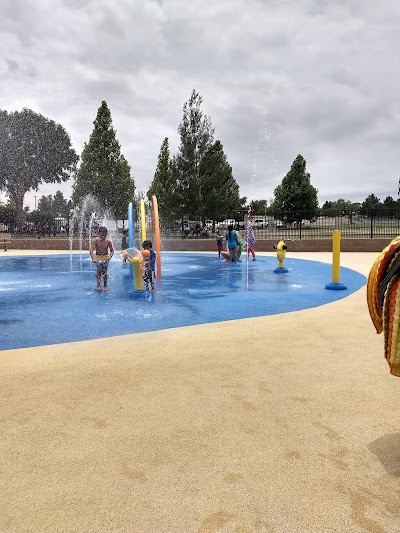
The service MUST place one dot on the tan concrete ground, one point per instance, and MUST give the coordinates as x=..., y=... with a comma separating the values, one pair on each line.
x=281, y=424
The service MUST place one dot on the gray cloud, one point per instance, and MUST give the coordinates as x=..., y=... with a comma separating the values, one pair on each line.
x=277, y=78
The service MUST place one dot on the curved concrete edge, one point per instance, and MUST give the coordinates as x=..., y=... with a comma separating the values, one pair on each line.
x=281, y=423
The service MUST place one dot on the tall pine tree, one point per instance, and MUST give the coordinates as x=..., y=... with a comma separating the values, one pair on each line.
x=219, y=187
x=196, y=133
x=104, y=172
x=163, y=185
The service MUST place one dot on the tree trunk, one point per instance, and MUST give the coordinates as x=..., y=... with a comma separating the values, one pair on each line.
x=18, y=197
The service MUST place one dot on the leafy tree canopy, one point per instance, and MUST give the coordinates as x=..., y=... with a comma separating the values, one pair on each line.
x=8, y=213
x=51, y=207
x=34, y=150
x=390, y=203
x=259, y=206
x=370, y=205
x=295, y=198
x=340, y=205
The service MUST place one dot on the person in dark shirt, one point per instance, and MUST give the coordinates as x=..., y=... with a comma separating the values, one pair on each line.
x=150, y=265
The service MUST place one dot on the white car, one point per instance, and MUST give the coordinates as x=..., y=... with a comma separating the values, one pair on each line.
x=208, y=224
x=227, y=222
x=260, y=224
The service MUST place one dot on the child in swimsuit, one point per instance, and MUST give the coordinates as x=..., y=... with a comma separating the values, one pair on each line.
x=232, y=244
x=150, y=266
x=101, y=252
x=250, y=239
x=220, y=241
x=125, y=241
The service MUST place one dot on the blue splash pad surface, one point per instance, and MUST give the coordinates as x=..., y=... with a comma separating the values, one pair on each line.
x=52, y=299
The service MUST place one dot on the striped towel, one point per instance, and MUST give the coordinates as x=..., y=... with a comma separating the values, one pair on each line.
x=383, y=297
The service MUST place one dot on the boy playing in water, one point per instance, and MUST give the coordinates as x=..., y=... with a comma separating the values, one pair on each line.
x=125, y=241
x=100, y=256
x=149, y=272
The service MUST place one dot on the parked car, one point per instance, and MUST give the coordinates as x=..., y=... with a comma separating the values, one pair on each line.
x=280, y=225
x=259, y=224
x=227, y=222
x=208, y=224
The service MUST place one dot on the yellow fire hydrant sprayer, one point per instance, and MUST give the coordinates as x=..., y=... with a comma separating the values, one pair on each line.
x=280, y=254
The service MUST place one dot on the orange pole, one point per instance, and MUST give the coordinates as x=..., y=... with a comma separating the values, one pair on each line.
x=156, y=224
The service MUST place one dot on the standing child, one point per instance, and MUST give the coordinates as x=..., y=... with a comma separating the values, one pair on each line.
x=124, y=243
x=250, y=238
x=220, y=241
x=147, y=273
x=101, y=252
x=232, y=244
x=150, y=265
x=239, y=244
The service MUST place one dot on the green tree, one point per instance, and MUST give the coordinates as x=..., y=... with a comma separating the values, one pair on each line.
x=8, y=213
x=196, y=133
x=370, y=206
x=163, y=185
x=61, y=207
x=389, y=203
x=339, y=206
x=34, y=150
x=390, y=207
x=45, y=204
x=259, y=206
x=219, y=189
x=342, y=205
x=50, y=207
x=244, y=206
x=295, y=198
x=45, y=211
x=104, y=172
x=327, y=206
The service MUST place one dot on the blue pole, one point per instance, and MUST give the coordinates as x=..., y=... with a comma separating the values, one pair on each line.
x=130, y=242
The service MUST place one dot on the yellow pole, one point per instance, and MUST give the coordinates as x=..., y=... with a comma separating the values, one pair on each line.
x=138, y=274
x=336, y=285
x=143, y=219
x=336, y=256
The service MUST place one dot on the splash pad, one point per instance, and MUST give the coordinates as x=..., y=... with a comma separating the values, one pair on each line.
x=51, y=299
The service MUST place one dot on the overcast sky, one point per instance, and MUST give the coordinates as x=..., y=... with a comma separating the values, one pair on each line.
x=278, y=78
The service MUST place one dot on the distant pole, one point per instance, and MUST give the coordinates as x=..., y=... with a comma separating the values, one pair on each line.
x=36, y=197
x=335, y=285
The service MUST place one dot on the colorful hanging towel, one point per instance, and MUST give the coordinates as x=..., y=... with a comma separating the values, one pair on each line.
x=383, y=297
